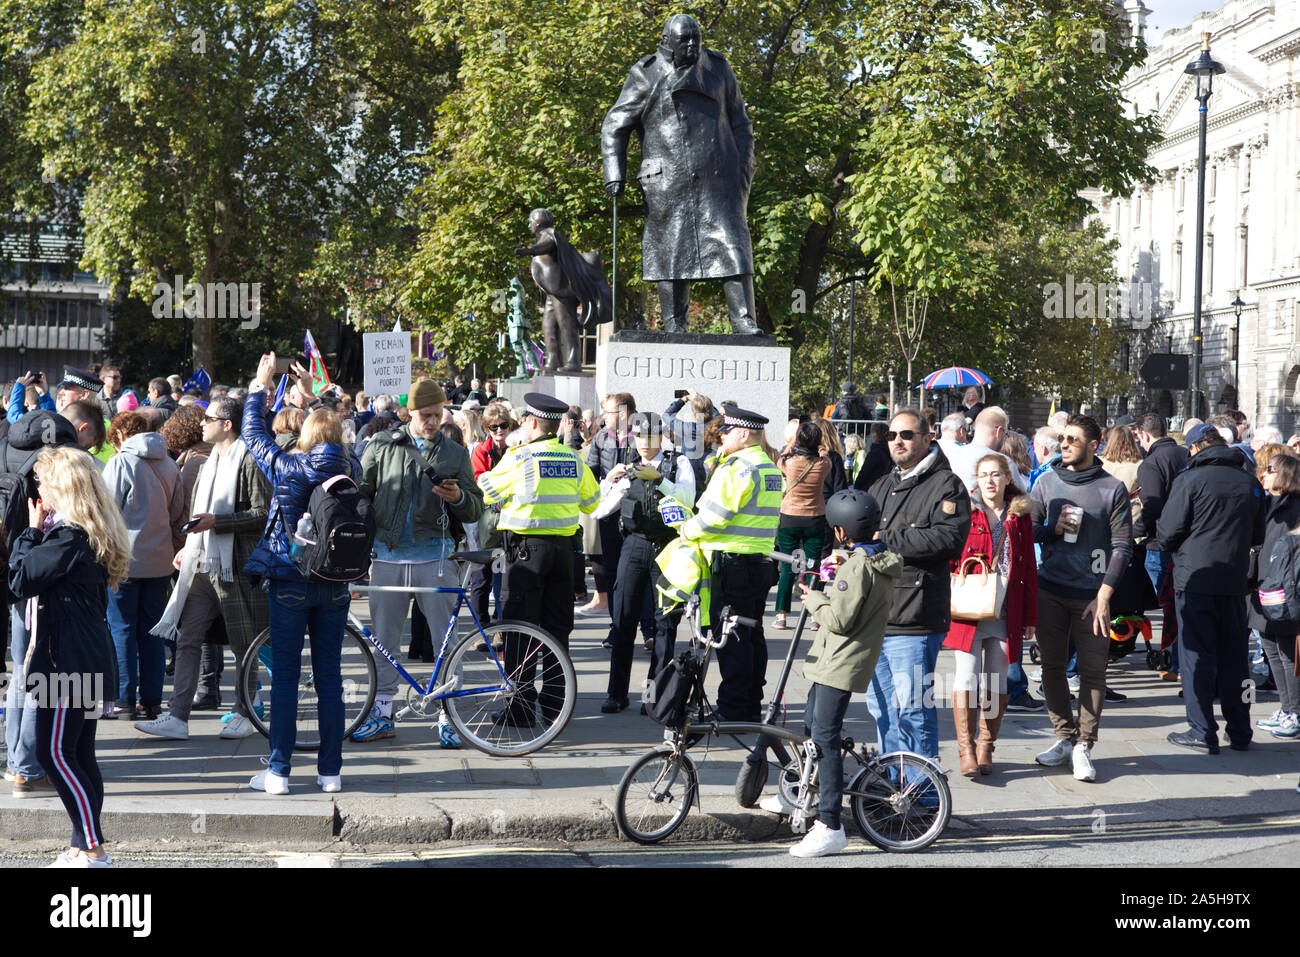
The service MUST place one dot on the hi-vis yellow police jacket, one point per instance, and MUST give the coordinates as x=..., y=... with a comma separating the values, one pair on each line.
x=541, y=486
x=741, y=507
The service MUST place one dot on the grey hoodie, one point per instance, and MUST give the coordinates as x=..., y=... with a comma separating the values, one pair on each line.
x=146, y=485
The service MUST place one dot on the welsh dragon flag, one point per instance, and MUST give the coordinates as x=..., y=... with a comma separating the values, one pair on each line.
x=320, y=377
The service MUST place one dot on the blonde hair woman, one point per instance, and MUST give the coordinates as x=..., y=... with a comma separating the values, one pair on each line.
x=471, y=427
x=75, y=549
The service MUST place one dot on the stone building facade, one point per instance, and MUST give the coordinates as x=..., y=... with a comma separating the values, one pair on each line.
x=1252, y=215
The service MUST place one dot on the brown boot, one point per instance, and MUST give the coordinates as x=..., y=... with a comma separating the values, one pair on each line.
x=963, y=717
x=989, y=727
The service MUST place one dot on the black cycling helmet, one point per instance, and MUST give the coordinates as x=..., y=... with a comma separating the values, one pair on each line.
x=854, y=511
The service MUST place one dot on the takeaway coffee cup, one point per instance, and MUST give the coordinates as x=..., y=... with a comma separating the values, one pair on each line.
x=1073, y=515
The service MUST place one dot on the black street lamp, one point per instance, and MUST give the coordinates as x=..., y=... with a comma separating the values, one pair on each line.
x=1205, y=68
x=1237, y=306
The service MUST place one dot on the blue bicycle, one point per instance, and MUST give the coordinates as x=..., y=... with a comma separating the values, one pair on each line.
x=508, y=688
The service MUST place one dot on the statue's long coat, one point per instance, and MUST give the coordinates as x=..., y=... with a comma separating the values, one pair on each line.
x=697, y=162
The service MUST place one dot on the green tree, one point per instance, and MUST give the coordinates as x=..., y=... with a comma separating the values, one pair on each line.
x=886, y=134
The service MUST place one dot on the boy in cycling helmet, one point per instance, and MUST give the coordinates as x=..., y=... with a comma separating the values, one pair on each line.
x=852, y=612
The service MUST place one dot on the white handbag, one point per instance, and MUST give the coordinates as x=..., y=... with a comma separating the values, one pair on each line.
x=979, y=596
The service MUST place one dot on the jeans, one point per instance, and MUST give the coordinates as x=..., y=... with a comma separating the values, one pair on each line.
x=133, y=609
x=1157, y=566
x=20, y=711
x=321, y=610
x=1017, y=683
x=824, y=723
x=901, y=696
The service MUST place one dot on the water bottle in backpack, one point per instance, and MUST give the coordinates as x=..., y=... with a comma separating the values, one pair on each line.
x=301, y=535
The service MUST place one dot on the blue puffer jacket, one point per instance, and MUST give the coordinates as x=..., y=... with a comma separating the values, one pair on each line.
x=293, y=476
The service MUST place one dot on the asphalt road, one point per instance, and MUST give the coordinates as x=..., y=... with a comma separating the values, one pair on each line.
x=1247, y=841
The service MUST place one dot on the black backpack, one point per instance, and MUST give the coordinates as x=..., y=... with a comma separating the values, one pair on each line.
x=343, y=532
x=1278, y=595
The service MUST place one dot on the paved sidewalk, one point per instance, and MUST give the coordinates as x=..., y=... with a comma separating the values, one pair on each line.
x=407, y=790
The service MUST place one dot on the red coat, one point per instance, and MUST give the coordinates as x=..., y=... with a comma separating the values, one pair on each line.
x=481, y=459
x=1022, y=587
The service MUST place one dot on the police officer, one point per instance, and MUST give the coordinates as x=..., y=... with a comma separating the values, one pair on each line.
x=736, y=523
x=541, y=487
x=650, y=498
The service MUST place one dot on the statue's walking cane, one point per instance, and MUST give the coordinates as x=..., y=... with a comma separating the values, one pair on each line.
x=613, y=277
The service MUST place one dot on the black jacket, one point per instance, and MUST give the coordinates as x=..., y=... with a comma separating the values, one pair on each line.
x=836, y=480
x=874, y=466
x=925, y=519
x=1165, y=459
x=1214, y=514
x=1283, y=516
x=59, y=570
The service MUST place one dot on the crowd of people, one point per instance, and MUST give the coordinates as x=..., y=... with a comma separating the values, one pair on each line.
x=171, y=516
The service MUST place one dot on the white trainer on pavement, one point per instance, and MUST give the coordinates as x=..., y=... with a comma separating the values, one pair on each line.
x=1035, y=675
x=238, y=727
x=1056, y=755
x=777, y=804
x=330, y=783
x=166, y=726
x=270, y=782
x=1083, y=769
x=1074, y=683
x=820, y=841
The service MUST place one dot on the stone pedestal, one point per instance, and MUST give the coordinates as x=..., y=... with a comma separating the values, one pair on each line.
x=579, y=390
x=752, y=371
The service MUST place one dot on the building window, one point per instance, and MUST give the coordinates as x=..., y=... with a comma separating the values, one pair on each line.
x=1209, y=262
x=1178, y=270
x=1214, y=181
x=1182, y=191
x=1137, y=210
x=1232, y=343
x=1245, y=173
x=1242, y=248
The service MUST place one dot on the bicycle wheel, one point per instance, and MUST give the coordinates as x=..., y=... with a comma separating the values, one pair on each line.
x=358, y=670
x=903, y=802
x=655, y=796
x=515, y=688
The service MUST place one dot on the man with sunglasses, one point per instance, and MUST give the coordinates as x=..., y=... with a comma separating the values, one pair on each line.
x=1083, y=521
x=925, y=517
x=229, y=505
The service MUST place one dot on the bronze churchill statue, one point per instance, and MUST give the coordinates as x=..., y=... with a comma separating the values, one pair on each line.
x=697, y=163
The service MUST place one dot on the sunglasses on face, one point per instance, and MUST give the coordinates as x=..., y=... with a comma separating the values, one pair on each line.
x=503, y=427
x=215, y=418
x=1073, y=440
x=907, y=435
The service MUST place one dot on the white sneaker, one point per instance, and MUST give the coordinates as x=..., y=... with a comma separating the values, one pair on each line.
x=68, y=859
x=9, y=775
x=820, y=841
x=1056, y=755
x=1074, y=683
x=270, y=782
x=1035, y=675
x=1083, y=769
x=330, y=783
x=777, y=804
x=166, y=726
x=238, y=727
